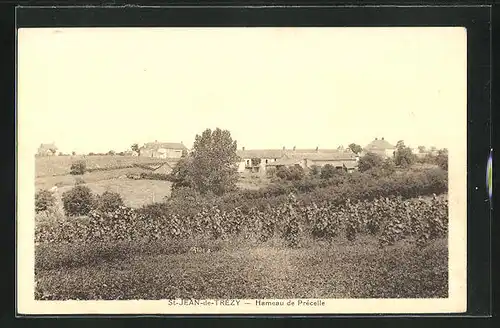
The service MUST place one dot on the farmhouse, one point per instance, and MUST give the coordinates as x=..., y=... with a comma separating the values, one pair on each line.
x=341, y=159
x=163, y=150
x=256, y=160
x=380, y=147
x=47, y=150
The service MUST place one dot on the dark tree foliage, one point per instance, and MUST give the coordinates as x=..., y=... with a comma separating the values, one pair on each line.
x=110, y=201
x=328, y=172
x=442, y=159
x=355, y=148
x=44, y=200
x=78, y=168
x=78, y=201
x=369, y=161
x=404, y=156
x=211, y=166
x=135, y=147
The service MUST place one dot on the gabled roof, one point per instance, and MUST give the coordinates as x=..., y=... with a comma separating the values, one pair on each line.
x=166, y=145
x=285, y=161
x=337, y=156
x=260, y=153
x=378, y=144
x=312, y=150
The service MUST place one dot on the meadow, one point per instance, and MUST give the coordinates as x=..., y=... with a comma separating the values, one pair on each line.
x=351, y=237
x=60, y=165
x=237, y=269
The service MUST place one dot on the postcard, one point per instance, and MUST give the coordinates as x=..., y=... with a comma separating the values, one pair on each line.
x=241, y=170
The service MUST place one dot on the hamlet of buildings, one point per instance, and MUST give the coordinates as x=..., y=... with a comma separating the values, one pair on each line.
x=47, y=150
x=265, y=160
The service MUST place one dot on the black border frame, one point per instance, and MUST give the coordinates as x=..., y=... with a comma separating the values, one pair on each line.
x=477, y=20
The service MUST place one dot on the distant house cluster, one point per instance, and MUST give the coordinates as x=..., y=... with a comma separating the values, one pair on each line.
x=264, y=160
x=385, y=149
x=49, y=149
x=163, y=150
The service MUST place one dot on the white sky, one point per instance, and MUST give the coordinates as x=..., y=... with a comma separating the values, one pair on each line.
x=100, y=89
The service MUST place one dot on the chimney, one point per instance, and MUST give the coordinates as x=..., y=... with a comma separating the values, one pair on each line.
x=242, y=148
x=156, y=141
x=382, y=138
x=283, y=147
x=293, y=148
x=376, y=138
x=317, y=148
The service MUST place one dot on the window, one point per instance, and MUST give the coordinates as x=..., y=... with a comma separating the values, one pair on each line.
x=266, y=161
x=248, y=162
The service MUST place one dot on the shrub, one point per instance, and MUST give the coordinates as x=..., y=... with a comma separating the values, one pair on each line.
x=293, y=173
x=442, y=160
x=110, y=201
x=283, y=172
x=404, y=157
x=296, y=173
x=315, y=171
x=44, y=200
x=328, y=171
x=78, y=168
x=369, y=161
x=78, y=201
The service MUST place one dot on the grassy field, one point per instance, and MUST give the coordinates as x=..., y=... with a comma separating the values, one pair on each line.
x=60, y=165
x=237, y=269
x=48, y=182
x=135, y=193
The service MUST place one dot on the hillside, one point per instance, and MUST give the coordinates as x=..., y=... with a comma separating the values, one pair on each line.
x=60, y=165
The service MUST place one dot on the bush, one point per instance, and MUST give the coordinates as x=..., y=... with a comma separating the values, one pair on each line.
x=293, y=173
x=78, y=201
x=442, y=160
x=296, y=173
x=283, y=172
x=110, y=201
x=315, y=171
x=78, y=168
x=369, y=161
x=44, y=200
x=328, y=171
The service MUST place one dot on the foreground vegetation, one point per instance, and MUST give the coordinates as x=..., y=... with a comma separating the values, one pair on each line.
x=238, y=269
x=377, y=233
x=196, y=247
